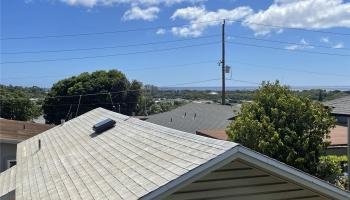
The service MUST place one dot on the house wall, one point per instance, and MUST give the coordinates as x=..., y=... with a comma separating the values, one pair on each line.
x=238, y=180
x=341, y=119
x=9, y=196
x=339, y=151
x=7, y=152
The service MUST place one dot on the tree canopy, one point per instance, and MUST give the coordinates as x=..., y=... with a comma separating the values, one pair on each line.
x=16, y=105
x=118, y=94
x=284, y=126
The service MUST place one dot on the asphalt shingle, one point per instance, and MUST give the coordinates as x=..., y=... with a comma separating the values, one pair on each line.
x=126, y=162
x=341, y=106
x=196, y=116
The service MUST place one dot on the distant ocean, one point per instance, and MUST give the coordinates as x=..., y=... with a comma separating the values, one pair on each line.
x=341, y=88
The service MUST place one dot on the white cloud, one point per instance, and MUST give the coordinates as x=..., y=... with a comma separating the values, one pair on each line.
x=310, y=14
x=303, y=44
x=200, y=19
x=92, y=3
x=137, y=13
x=324, y=40
x=338, y=46
x=332, y=44
x=161, y=31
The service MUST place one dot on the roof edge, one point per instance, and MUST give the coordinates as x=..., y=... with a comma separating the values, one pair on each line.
x=313, y=183
x=193, y=175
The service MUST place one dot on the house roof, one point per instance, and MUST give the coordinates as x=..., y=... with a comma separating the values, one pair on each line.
x=216, y=134
x=133, y=160
x=341, y=106
x=199, y=116
x=339, y=136
x=16, y=131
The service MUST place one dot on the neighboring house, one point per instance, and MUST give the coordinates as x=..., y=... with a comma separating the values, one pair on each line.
x=140, y=160
x=13, y=132
x=341, y=108
x=339, y=139
x=193, y=117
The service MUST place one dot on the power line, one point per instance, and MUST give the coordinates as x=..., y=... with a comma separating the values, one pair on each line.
x=109, y=55
x=288, y=27
x=290, y=50
x=167, y=26
x=286, y=42
x=107, y=47
x=287, y=69
x=121, y=91
x=127, y=70
x=104, y=32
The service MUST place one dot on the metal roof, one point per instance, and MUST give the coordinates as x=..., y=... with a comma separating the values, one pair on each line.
x=199, y=116
x=341, y=106
x=133, y=160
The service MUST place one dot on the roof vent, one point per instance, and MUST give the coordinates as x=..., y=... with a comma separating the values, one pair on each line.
x=103, y=125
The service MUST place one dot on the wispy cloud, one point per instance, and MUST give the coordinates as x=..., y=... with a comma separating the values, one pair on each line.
x=161, y=31
x=302, y=45
x=200, y=19
x=136, y=13
x=338, y=46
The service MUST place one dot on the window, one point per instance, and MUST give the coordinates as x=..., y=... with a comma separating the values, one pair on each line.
x=11, y=163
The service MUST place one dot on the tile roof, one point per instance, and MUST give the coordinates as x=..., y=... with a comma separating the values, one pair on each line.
x=17, y=131
x=126, y=162
x=341, y=106
x=199, y=116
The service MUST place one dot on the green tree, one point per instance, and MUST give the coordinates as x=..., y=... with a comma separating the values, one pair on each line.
x=118, y=94
x=284, y=126
x=17, y=106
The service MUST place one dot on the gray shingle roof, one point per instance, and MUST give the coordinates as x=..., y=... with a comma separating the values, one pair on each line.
x=208, y=117
x=133, y=160
x=341, y=106
x=8, y=180
x=126, y=162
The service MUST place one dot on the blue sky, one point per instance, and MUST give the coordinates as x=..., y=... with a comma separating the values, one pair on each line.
x=291, y=65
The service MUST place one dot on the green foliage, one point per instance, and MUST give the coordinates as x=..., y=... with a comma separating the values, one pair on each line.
x=331, y=166
x=164, y=106
x=30, y=92
x=114, y=81
x=284, y=126
x=16, y=105
x=332, y=169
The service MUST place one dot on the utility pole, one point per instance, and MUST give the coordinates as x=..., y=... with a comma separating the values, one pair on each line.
x=223, y=63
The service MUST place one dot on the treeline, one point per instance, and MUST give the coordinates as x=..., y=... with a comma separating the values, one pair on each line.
x=238, y=96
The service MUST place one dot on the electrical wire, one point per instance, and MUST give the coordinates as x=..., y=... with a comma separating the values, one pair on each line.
x=105, y=32
x=127, y=70
x=290, y=50
x=110, y=55
x=291, y=43
x=167, y=26
x=285, y=69
x=287, y=27
x=108, y=47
